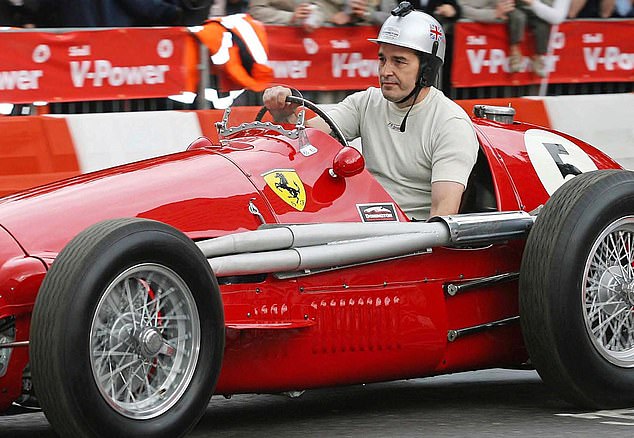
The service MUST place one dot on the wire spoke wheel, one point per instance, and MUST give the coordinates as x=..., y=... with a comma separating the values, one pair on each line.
x=608, y=293
x=127, y=333
x=145, y=339
x=577, y=290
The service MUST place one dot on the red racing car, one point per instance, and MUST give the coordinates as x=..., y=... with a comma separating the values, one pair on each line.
x=274, y=262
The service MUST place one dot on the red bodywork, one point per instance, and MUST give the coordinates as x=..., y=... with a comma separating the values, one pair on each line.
x=373, y=322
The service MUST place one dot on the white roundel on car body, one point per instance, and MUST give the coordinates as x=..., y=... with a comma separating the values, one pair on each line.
x=555, y=158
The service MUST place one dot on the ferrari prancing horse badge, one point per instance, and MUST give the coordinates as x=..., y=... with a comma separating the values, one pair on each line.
x=288, y=186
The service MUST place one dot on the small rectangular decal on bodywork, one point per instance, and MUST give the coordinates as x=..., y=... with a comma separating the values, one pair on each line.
x=377, y=212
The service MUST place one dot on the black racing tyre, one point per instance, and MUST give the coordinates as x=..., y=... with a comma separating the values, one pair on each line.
x=127, y=333
x=577, y=290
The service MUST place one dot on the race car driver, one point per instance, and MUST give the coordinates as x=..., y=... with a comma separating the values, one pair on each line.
x=420, y=145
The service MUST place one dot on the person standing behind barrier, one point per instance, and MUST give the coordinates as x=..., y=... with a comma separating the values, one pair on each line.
x=236, y=6
x=107, y=13
x=9, y=13
x=624, y=9
x=194, y=11
x=445, y=11
x=591, y=8
x=381, y=11
x=539, y=15
x=554, y=13
x=364, y=12
x=313, y=14
x=487, y=11
x=17, y=13
x=284, y=12
x=500, y=11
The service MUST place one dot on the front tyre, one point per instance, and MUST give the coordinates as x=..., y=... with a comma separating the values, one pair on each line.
x=127, y=333
x=577, y=290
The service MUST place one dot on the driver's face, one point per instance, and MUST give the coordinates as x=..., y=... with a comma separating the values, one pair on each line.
x=398, y=71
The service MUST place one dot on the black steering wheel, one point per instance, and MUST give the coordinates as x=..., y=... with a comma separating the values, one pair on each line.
x=335, y=131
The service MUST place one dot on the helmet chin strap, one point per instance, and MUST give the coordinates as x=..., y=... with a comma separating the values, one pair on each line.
x=417, y=89
x=420, y=83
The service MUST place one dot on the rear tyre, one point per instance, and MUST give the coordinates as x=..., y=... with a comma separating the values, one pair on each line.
x=127, y=333
x=577, y=290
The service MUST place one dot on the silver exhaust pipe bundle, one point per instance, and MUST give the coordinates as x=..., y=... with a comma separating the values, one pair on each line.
x=288, y=248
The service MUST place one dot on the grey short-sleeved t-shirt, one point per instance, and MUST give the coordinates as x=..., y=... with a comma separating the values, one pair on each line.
x=439, y=144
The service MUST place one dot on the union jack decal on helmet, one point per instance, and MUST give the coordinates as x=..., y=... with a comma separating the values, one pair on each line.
x=436, y=33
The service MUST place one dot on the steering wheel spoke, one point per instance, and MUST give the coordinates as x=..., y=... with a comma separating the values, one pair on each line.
x=299, y=126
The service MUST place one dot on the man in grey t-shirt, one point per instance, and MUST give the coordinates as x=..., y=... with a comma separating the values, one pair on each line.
x=423, y=162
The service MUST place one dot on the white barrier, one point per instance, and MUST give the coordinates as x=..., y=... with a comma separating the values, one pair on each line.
x=606, y=121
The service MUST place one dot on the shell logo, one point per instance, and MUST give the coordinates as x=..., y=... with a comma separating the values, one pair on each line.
x=41, y=53
x=165, y=48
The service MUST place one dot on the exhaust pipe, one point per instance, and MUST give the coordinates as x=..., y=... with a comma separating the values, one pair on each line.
x=487, y=227
x=287, y=248
x=278, y=237
x=325, y=256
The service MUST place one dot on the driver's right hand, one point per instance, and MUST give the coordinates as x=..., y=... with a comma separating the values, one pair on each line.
x=274, y=99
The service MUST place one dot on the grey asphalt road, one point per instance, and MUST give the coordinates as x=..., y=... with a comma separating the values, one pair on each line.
x=492, y=403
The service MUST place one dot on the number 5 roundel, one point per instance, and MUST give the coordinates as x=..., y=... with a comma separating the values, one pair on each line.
x=555, y=159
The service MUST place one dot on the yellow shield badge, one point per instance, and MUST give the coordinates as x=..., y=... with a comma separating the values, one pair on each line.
x=288, y=186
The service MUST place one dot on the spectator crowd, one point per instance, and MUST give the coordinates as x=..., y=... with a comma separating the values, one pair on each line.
x=308, y=14
x=518, y=15
x=102, y=13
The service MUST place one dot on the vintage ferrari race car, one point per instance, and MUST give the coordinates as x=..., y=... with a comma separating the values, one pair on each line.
x=273, y=262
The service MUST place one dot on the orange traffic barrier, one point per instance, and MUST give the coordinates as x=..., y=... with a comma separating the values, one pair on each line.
x=34, y=150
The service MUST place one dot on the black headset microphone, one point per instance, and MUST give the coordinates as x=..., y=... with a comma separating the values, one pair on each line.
x=425, y=70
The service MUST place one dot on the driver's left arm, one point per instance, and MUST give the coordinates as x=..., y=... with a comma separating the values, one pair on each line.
x=445, y=198
x=454, y=153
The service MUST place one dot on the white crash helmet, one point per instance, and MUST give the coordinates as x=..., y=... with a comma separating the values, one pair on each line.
x=416, y=30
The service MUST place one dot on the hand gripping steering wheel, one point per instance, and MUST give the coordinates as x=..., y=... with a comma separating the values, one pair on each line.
x=335, y=131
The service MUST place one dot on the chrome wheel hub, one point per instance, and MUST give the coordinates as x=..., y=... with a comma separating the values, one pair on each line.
x=611, y=286
x=150, y=342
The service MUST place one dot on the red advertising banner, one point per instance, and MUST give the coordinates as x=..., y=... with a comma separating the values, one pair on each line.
x=93, y=64
x=581, y=51
x=330, y=58
x=156, y=62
